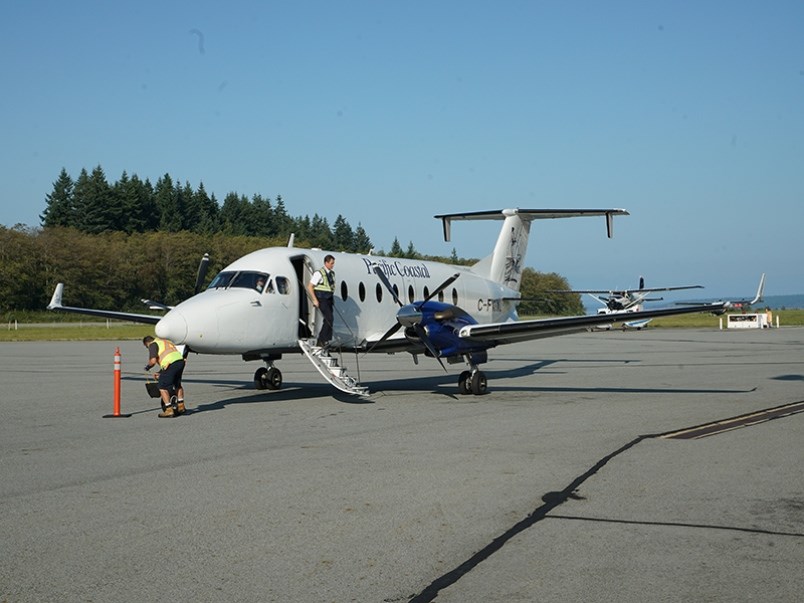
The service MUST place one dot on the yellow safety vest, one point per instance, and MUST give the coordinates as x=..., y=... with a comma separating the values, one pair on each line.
x=326, y=284
x=168, y=354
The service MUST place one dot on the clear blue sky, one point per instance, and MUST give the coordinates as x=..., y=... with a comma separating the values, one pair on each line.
x=689, y=114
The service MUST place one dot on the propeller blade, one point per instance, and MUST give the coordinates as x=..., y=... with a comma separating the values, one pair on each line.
x=202, y=272
x=428, y=344
x=387, y=284
x=440, y=288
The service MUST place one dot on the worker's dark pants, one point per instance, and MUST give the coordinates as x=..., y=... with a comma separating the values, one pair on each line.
x=171, y=376
x=326, y=303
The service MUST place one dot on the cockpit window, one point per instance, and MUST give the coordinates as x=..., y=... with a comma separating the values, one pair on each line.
x=222, y=280
x=244, y=279
x=282, y=285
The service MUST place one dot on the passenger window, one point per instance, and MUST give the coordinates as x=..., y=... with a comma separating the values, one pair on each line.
x=410, y=294
x=344, y=291
x=426, y=293
x=379, y=292
x=396, y=290
x=361, y=291
x=441, y=295
x=454, y=296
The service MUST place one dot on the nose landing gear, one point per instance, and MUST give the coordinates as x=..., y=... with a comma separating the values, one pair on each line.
x=268, y=377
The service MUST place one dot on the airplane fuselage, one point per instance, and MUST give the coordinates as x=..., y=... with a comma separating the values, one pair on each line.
x=237, y=314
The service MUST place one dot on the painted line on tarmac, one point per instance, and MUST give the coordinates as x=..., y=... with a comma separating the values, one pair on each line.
x=746, y=420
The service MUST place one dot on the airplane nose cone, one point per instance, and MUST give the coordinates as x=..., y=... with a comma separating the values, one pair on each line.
x=173, y=327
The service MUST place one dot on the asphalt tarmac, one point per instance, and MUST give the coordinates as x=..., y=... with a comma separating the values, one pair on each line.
x=557, y=485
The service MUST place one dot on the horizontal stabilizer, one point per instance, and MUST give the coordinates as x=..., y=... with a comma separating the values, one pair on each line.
x=530, y=214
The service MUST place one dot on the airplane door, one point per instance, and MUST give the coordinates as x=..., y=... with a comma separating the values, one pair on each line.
x=303, y=267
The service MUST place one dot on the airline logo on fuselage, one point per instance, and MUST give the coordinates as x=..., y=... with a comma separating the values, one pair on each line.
x=397, y=268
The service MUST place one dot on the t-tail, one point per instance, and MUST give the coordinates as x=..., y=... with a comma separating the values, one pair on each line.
x=506, y=262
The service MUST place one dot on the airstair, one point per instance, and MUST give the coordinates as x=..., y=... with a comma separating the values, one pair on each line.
x=329, y=368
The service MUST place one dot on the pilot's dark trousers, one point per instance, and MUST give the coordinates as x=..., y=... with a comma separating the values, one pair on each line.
x=326, y=303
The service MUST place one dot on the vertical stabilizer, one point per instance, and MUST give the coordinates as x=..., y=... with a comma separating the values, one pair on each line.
x=760, y=290
x=506, y=262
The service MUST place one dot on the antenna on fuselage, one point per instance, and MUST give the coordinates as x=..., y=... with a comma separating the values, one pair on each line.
x=291, y=239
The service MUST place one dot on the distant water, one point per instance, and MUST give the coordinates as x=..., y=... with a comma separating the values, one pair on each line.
x=783, y=302
x=774, y=302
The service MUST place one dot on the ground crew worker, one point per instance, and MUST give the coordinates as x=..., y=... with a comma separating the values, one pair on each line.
x=163, y=352
x=322, y=292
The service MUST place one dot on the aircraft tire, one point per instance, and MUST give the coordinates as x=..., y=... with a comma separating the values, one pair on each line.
x=464, y=383
x=273, y=378
x=260, y=381
x=479, y=383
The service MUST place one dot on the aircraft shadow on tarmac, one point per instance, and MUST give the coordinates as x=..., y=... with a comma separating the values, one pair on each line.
x=789, y=378
x=435, y=384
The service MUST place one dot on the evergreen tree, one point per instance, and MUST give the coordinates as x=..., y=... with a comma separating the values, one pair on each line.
x=191, y=211
x=320, y=234
x=343, y=239
x=362, y=241
x=396, y=249
x=168, y=204
x=97, y=210
x=234, y=214
x=303, y=229
x=283, y=222
x=60, y=210
x=411, y=252
x=208, y=209
x=136, y=204
x=263, y=214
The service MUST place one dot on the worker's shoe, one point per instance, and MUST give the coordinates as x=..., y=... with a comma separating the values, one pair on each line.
x=168, y=412
x=180, y=407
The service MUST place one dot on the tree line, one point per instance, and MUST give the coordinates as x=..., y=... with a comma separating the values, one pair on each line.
x=116, y=244
x=92, y=205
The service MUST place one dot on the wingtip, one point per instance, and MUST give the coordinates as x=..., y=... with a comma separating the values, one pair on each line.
x=55, y=301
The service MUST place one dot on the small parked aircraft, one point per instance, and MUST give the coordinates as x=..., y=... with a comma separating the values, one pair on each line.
x=382, y=305
x=619, y=301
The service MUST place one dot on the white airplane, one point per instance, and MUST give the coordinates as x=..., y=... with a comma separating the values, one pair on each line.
x=382, y=305
x=619, y=301
x=747, y=303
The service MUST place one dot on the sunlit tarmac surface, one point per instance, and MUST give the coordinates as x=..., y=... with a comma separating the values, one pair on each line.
x=553, y=486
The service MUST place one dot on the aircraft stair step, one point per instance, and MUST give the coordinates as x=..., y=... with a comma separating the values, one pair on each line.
x=329, y=368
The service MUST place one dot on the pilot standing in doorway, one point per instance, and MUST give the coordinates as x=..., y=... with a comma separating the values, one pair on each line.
x=322, y=292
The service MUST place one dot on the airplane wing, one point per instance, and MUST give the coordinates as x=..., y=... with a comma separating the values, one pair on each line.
x=524, y=330
x=55, y=304
x=624, y=291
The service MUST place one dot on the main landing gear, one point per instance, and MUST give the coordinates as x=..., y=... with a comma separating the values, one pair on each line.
x=268, y=377
x=472, y=382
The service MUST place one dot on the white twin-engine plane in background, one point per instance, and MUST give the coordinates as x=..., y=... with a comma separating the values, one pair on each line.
x=382, y=305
